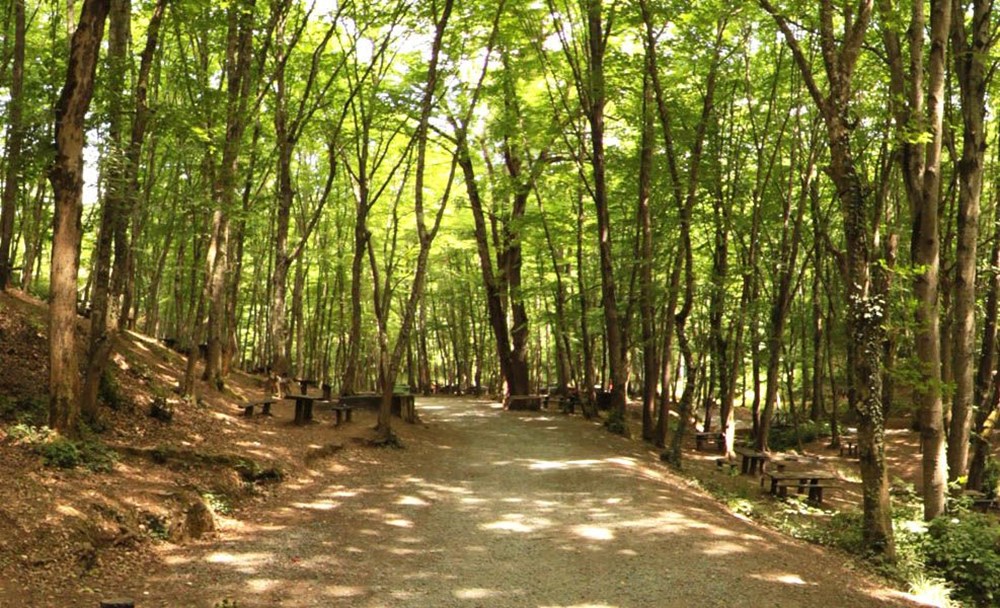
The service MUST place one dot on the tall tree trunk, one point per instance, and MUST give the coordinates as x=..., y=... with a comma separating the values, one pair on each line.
x=594, y=96
x=389, y=361
x=783, y=289
x=970, y=53
x=239, y=53
x=987, y=395
x=865, y=307
x=647, y=313
x=15, y=138
x=66, y=176
x=106, y=300
x=494, y=303
x=921, y=165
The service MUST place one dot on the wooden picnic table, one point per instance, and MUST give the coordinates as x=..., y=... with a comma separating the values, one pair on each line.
x=304, y=407
x=753, y=460
x=701, y=438
x=524, y=402
x=304, y=384
x=265, y=407
x=849, y=445
x=813, y=481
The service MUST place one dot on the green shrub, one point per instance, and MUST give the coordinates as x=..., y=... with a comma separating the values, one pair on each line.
x=784, y=438
x=218, y=503
x=991, y=477
x=96, y=456
x=156, y=526
x=615, y=423
x=31, y=435
x=61, y=453
x=32, y=410
x=965, y=553
x=68, y=454
x=109, y=392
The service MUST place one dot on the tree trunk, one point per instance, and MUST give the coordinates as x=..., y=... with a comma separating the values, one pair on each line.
x=15, y=138
x=66, y=176
x=971, y=69
x=865, y=307
x=237, y=71
x=647, y=314
x=921, y=166
x=113, y=234
x=594, y=101
x=987, y=395
x=389, y=361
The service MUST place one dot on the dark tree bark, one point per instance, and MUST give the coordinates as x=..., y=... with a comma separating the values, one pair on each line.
x=15, y=139
x=971, y=45
x=921, y=166
x=239, y=53
x=66, y=176
x=647, y=311
x=113, y=233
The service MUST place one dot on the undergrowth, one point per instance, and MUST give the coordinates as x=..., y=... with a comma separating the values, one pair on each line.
x=952, y=561
x=64, y=453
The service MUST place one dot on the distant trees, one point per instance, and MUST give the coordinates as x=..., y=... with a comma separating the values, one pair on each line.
x=598, y=196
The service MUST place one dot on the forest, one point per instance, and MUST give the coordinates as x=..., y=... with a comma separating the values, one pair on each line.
x=780, y=207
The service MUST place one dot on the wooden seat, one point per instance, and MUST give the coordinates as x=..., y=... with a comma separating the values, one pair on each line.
x=265, y=407
x=849, y=446
x=703, y=438
x=343, y=412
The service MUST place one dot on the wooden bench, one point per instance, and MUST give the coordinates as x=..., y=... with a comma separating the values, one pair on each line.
x=815, y=490
x=303, y=407
x=802, y=481
x=849, y=446
x=342, y=411
x=752, y=461
x=524, y=402
x=265, y=407
x=565, y=403
x=980, y=501
x=703, y=438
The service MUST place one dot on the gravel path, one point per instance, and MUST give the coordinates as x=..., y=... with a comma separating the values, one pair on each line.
x=490, y=508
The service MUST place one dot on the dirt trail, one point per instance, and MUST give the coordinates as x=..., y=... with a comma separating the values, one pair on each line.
x=490, y=508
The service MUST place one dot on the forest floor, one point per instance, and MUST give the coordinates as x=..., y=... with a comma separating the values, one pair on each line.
x=481, y=508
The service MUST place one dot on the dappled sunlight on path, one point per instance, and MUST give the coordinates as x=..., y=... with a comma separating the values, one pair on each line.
x=488, y=508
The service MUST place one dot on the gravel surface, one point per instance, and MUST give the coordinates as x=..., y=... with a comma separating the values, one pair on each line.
x=492, y=508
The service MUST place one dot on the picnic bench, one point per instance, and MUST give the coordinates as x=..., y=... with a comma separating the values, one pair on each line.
x=802, y=481
x=342, y=411
x=566, y=403
x=849, y=445
x=524, y=402
x=701, y=439
x=980, y=501
x=265, y=407
x=304, y=407
x=304, y=384
x=752, y=461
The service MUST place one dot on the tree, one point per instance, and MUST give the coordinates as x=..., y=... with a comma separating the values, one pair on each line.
x=971, y=45
x=66, y=176
x=865, y=306
x=921, y=166
x=15, y=139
